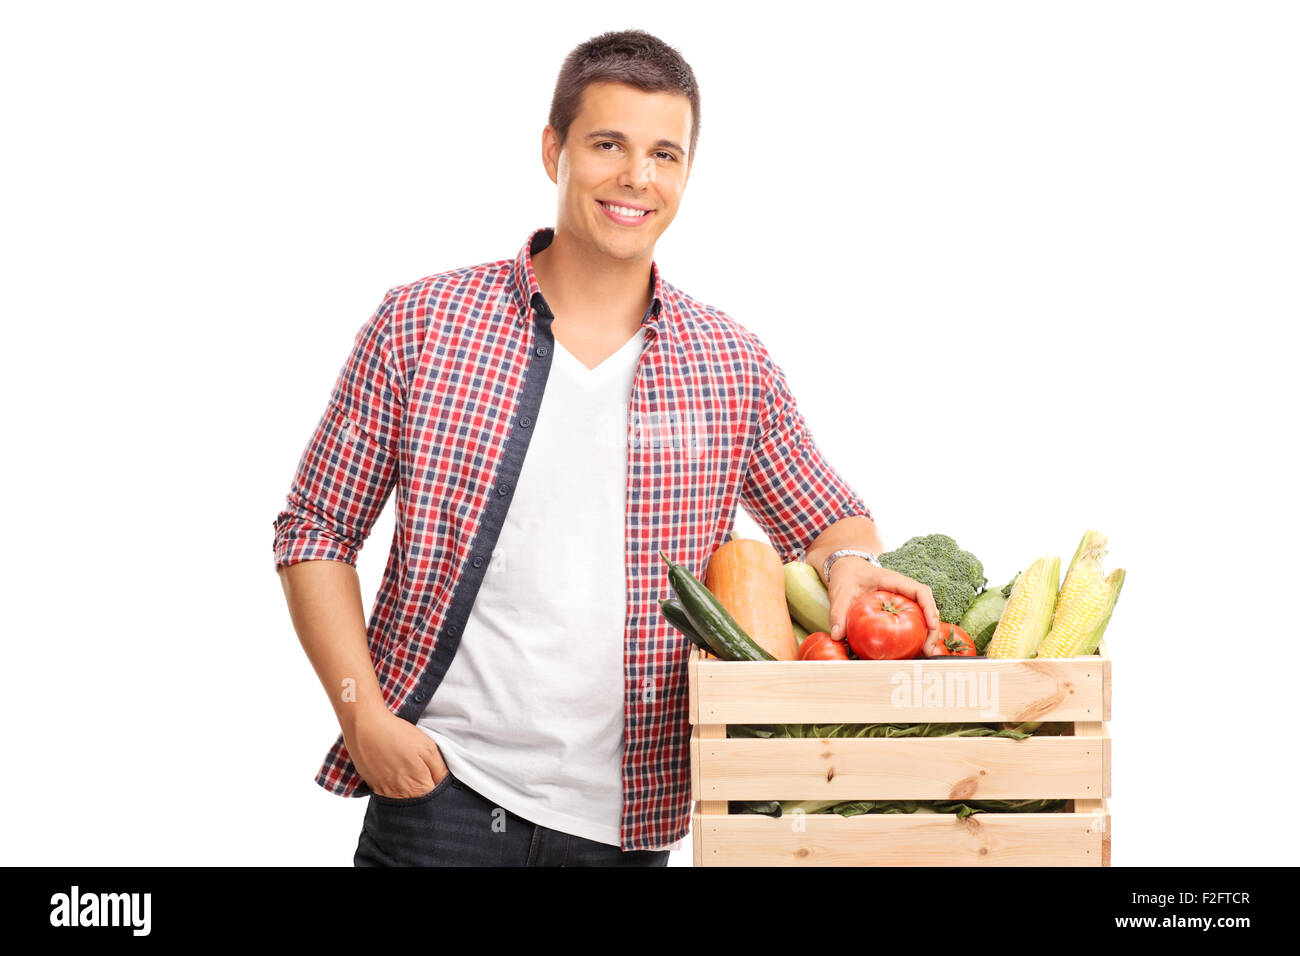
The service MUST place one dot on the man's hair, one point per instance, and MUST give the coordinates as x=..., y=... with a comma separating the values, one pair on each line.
x=633, y=57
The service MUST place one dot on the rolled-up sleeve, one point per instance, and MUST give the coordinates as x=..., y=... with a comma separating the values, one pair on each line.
x=790, y=489
x=347, y=471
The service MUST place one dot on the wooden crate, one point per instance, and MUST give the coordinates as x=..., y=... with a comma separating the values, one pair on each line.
x=1075, y=767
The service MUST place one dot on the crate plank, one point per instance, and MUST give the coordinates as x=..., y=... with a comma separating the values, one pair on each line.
x=904, y=768
x=1099, y=808
x=705, y=736
x=931, y=839
x=1100, y=813
x=913, y=691
x=1097, y=732
x=1103, y=654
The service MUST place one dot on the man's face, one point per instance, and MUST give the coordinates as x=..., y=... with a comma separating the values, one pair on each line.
x=625, y=147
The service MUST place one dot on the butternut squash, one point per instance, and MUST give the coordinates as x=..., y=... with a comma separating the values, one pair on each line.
x=748, y=578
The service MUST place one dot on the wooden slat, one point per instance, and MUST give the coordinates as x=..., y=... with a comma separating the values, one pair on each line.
x=914, y=691
x=699, y=732
x=693, y=686
x=906, y=768
x=985, y=839
x=1096, y=732
x=1105, y=689
x=702, y=735
x=1099, y=811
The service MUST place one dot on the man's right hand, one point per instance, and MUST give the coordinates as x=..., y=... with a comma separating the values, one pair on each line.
x=394, y=756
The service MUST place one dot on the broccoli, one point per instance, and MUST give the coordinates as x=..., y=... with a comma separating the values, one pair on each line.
x=955, y=576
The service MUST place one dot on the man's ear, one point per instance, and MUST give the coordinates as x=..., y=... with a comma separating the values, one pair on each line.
x=551, y=152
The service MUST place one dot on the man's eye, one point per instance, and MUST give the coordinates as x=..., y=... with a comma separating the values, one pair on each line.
x=664, y=153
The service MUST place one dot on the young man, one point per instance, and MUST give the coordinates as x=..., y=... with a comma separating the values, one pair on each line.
x=552, y=421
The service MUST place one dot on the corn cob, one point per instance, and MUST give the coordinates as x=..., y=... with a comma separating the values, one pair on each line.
x=1082, y=578
x=1027, y=617
x=1086, y=602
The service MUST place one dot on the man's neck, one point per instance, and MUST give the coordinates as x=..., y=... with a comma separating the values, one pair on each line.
x=592, y=297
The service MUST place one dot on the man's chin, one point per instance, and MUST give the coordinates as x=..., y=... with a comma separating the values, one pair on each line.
x=627, y=249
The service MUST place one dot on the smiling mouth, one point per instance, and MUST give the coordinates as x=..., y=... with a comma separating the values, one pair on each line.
x=625, y=215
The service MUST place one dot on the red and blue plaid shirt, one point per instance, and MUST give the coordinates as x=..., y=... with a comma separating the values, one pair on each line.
x=438, y=398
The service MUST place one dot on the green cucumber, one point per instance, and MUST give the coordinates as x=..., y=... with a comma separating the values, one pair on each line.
x=676, y=616
x=710, y=619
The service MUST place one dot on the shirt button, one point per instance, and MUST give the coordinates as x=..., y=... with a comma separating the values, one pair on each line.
x=419, y=697
x=452, y=630
x=478, y=562
x=503, y=490
x=541, y=350
x=525, y=421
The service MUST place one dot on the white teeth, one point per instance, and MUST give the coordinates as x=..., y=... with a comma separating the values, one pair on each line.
x=625, y=211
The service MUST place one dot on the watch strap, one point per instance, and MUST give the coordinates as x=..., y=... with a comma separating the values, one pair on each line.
x=836, y=555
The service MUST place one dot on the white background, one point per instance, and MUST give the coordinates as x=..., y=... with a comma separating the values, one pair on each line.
x=1030, y=269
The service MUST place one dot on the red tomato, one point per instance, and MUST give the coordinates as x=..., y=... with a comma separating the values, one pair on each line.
x=820, y=646
x=954, y=642
x=884, y=626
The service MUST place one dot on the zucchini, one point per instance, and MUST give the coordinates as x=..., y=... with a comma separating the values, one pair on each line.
x=710, y=619
x=676, y=616
x=810, y=605
x=799, y=633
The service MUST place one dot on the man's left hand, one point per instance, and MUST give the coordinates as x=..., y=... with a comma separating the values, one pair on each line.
x=850, y=576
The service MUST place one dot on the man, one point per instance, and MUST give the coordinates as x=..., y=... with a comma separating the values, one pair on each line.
x=551, y=421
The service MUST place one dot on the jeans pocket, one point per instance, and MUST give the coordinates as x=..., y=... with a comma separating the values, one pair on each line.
x=439, y=788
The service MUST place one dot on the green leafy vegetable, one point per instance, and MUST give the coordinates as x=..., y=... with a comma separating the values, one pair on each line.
x=852, y=808
x=981, y=618
x=877, y=730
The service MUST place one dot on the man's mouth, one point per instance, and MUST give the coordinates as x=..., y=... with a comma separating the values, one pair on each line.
x=625, y=215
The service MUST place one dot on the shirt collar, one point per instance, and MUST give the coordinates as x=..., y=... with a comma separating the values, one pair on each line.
x=529, y=293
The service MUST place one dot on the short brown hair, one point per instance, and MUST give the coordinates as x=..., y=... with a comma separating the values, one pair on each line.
x=633, y=57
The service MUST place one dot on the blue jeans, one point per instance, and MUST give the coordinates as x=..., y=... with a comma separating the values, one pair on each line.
x=452, y=825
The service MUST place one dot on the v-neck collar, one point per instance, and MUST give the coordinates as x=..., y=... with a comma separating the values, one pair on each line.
x=592, y=375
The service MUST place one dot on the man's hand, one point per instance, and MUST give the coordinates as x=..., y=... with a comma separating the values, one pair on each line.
x=851, y=575
x=394, y=757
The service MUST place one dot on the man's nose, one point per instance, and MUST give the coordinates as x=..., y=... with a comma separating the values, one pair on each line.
x=639, y=171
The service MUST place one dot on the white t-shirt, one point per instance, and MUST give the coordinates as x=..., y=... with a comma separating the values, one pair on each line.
x=530, y=712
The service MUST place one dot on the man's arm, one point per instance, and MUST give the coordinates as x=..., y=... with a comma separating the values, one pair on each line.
x=394, y=757
x=790, y=489
x=344, y=478
x=347, y=471
x=324, y=599
x=856, y=532
x=802, y=502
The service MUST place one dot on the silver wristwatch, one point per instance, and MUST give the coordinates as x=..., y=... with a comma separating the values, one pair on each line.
x=836, y=555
